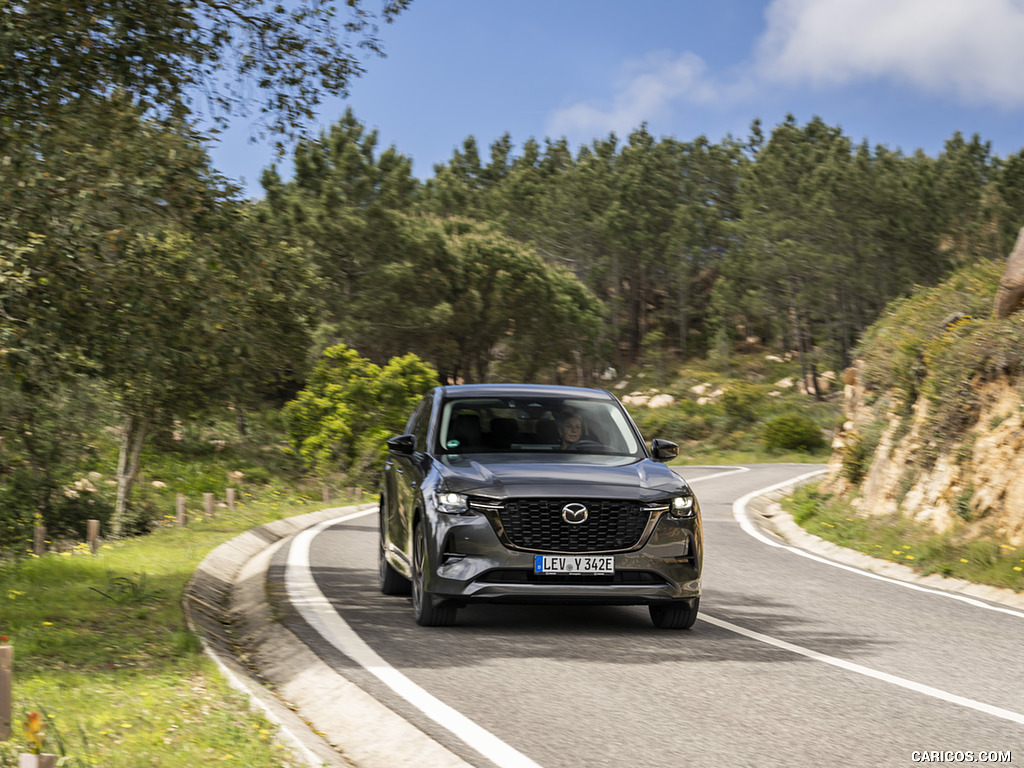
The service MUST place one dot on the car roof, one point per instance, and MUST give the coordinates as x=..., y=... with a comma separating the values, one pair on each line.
x=524, y=390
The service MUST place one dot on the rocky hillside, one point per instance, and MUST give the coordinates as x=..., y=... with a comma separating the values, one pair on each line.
x=934, y=416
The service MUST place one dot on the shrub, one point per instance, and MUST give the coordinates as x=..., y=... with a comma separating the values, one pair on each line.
x=350, y=406
x=672, y=423
x=792, y=432
x=741, y=402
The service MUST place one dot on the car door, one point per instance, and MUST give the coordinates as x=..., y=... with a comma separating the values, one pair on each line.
x=408, y=470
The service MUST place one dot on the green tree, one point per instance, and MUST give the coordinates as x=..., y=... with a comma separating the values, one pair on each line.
x=174, y=57
x=340, y=208
x=134, y=266
x=349, y=406
x=475, y=302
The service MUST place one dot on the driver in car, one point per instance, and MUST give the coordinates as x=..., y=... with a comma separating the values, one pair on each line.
x=570, y=429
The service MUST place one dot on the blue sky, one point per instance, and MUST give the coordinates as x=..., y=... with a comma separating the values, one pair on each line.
x=903, y=73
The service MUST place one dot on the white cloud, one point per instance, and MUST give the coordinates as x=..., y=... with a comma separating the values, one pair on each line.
x=970, y=49
x=648, y=90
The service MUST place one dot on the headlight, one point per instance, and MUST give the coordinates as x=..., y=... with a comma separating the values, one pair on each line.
x=452, y=503
x=682, y=506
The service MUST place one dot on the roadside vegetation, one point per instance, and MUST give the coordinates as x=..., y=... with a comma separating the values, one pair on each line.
x=742, y=408
x=938, y=346
x=983, y=559
x=102, y=651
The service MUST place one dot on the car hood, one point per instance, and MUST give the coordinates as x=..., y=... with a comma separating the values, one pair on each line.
x=587, y=476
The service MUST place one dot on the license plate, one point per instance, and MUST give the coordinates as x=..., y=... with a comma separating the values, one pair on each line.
x=595, y=564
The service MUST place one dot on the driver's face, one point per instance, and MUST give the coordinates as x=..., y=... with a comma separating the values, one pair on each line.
x=572, y=429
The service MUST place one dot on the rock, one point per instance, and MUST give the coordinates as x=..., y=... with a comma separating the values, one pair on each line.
x=636, y=399
x=1011, y=286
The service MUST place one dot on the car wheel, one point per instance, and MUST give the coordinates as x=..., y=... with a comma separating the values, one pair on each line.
x=391, y=582
x=676, y=614
x=426, y=608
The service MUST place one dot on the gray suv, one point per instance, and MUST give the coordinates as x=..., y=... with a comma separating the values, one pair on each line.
x=527, y=493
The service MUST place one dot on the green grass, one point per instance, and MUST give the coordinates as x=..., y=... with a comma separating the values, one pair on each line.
x=897, y=539
x=709, y=455
x=101, y=646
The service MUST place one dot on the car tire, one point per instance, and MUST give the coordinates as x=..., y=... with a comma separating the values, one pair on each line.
x=675, y=614
x=391, y=582
x=427, y=609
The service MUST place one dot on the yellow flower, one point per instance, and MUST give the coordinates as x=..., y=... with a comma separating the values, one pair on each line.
x=962, y=560
x=34, y=732
x=897, y=552
x=1018, y=568
x=910, y=557
x=47, y=623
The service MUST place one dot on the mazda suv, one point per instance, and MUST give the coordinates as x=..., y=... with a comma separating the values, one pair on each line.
x=530, y=494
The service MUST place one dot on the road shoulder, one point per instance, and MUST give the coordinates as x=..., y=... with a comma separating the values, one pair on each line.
x=767, y=511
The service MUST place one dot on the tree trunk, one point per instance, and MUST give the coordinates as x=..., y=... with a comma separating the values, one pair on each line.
x=240, y=421
x=135, y=429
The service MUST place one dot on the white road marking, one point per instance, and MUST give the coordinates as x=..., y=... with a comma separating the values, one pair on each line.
x=718, y=475
x=317, y=610
x=742, y=516
x=927, y=690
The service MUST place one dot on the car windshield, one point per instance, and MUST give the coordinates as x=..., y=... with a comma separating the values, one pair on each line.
x=526, y=425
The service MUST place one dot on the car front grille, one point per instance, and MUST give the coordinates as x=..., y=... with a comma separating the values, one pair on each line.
x=537, y=525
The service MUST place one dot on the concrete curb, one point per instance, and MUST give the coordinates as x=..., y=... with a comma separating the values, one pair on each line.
x=209, y=606
x=769, y=513
x=322, y=717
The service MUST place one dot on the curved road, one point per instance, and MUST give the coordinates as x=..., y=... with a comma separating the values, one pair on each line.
x=793, y=662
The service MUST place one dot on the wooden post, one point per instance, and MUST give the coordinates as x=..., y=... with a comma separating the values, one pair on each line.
x=39, y=540
x=326, y=494
x=182, y=516
x=357, y=494
x=230, y=493
x=93, y=535
x=6, y=686
x=44, y=760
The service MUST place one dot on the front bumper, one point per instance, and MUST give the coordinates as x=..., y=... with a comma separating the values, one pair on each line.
x=471, y=564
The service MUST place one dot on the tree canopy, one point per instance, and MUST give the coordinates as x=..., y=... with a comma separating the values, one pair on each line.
x=175, y=58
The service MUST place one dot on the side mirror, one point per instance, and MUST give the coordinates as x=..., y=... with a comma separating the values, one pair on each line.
x=663, y=450
x=402, y=444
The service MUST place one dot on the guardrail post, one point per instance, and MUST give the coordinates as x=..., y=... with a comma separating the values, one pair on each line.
x=182, y=515
x=39, y=540
x=230, y=493
x=208, y=504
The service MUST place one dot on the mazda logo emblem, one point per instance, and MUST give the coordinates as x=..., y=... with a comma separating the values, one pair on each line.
x=575, y=513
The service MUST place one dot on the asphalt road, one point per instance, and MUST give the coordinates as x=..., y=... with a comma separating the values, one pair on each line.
x=793, y=662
